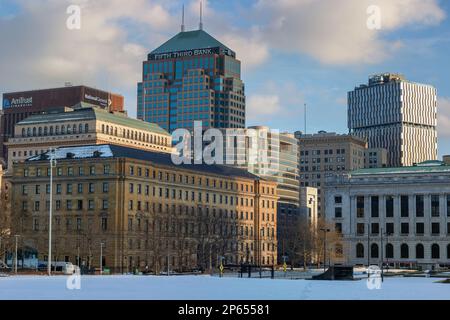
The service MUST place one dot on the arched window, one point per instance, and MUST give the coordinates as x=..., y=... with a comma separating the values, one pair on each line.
x=115, y=131
x=360, y=250
x=34, y=132
x=86, y=128
x=435, y=251
x=74, y=128
x=419, y=251
x=45, y=131
x=404, y=251
x=63, y=130
x=23, y=132
x=374, y=250
x=103, y=128
x=69, y=129
x=51, y=130
x=28, y=132
x=57, y=130
x=389, y=251
x=40, y=131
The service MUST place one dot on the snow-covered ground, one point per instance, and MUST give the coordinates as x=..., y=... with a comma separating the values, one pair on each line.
x=214, y=288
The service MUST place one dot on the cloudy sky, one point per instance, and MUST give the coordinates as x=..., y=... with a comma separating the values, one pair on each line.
x=292, y=51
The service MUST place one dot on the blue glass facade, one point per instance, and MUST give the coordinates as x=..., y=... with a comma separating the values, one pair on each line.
x=190, y=85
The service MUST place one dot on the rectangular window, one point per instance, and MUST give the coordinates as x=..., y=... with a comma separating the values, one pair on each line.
x=360, y=228
x=435, y=205
x=405, y=228
x=338, y=212
x=420, y=228
x=360, y=207
x=374, y=206
x=105, y=204
x=375, y=228
x=104, y=224
x=404, y=206
x=105, y=187
x=448, y=205
x=389, y=206
x=419, y=206
x=337, y=199
x=435, y=228
x=389, y=228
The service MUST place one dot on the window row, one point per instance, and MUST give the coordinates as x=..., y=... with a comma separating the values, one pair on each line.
x=404, y=249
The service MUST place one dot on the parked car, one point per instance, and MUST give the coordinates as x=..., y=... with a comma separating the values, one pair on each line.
x=59, y=266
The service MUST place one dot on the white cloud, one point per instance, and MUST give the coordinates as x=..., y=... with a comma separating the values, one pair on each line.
x=335, y=32
x=443, y=117
x=39, y=51
x=263, y=105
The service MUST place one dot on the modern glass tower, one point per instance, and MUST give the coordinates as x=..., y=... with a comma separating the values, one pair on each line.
x=192, y=77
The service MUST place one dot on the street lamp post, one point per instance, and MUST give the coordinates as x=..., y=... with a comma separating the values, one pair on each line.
x=325, y=230
x=382, y=257
x=387, y=257
x=101, y=258
x=52, y=165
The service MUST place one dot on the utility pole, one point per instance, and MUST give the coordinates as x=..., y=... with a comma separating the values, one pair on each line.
x=368, y=248
x=15, y=255
x=52, y=165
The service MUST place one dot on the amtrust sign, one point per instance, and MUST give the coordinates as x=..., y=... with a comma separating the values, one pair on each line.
x=17, y=102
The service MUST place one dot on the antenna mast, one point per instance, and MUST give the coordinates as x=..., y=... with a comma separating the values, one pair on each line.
x=201, y=16
x=305, y=118
x=182, y=20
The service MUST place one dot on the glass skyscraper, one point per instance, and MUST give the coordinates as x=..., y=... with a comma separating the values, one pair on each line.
x=192, y=77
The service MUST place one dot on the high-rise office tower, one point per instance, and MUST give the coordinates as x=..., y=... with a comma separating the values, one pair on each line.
x=398, y=115
x=192, y=77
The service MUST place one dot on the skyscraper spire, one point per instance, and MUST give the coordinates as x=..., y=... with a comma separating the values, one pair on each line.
x=201, y=16
x=182, y=20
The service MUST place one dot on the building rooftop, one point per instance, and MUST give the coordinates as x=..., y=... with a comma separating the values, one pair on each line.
x=423, y=167
x=190, y=40
x=114, y=151
x=85, y=111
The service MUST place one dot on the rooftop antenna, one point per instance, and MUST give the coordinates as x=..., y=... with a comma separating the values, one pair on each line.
x=201, y=14
x=182, y=20
x=305, y=118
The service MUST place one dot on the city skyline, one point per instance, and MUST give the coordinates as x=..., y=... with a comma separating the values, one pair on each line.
x=283, y=68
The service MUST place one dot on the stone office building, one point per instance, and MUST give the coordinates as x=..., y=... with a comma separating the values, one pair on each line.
x=399, y=216
x=143, y=210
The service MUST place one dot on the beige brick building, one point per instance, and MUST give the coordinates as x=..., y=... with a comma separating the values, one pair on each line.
x=325, y=154
x=83, y=124
x=144, y=209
